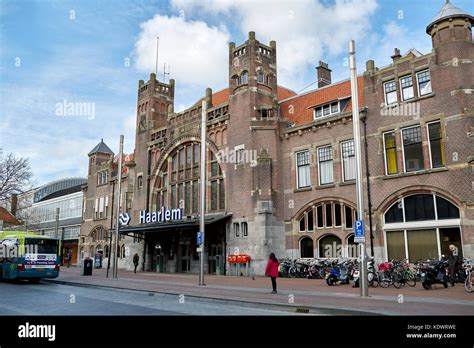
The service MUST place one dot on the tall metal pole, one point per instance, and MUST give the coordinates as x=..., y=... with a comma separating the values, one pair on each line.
x=117, y=212
x=364, y=291
x=56, y=234
x=367, y=175
x=203, y=187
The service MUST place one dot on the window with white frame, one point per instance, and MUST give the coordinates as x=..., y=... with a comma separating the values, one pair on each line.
x=325, y=165
x=302, y=169
x=390, y=148
x=326, y=110
x=424, y=82
x=412, y=149
x=406, y=85
x=390, y=91
x=348, y=160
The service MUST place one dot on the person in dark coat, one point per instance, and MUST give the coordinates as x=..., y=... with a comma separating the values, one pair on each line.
x=453, y=263
x=272, y=271
x=136, y=259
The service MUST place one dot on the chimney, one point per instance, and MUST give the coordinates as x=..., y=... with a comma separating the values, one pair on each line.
x=14, y=204
x=396, y=54
x=324, y=74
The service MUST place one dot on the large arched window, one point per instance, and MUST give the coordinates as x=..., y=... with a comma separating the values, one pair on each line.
x=327, y=215
x=306, y=247
x=98, y=233
x=330, y=246
x=421, y=226
x=178, y=186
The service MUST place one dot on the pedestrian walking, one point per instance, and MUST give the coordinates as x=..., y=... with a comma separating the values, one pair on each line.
x=136, y=259
x=272, y=271
x=453, y=262
x=69, y=258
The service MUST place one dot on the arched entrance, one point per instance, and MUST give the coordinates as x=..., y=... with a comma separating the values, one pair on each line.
x=330, y=246
x=306, y=247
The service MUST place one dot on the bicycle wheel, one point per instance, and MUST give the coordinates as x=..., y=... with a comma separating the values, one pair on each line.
x=373, y=279
x=384, y=280
x=292, y=272
x=410, y=279
x=468, y=284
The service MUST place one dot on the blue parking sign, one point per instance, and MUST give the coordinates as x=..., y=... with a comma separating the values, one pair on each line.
x=199, y=238
x=359, y=232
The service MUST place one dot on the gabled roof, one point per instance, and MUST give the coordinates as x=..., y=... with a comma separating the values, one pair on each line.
x=101, y=148
x=8, y=218
x=299, y=109
x=448, y=11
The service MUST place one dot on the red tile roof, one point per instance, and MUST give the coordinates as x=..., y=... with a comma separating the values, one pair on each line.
x=299, y=109
x=222, y=96
x=8, y=218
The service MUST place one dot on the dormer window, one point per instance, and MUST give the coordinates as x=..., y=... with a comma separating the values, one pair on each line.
x=326, y=110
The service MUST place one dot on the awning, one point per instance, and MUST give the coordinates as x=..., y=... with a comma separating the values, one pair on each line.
x=185, y=223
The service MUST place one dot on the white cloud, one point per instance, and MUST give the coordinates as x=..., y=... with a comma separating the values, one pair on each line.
x=196, y=52
x=305, y=31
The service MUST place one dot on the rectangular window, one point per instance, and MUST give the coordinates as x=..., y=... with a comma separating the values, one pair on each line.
x=334, y=108
x=412, y=149
x=236, y=230
x=303, y=224
x=390, y=153
x=318, y=112
x=326, y=110
x=187, y=197
x=337, y=214
x=319, y=213
x=221, y=194
x=424, y=82
x=140, y=181
x=348, y=217
x=173, y=196
x=180, y=196
x=214, y=195
x=436, y=145
x=309, y=216
x=195, y=196
x=422, y=244
x=390, y=91
x=303, y=172
x=328, y=215
x=406, y=84
x=348, y=160
x=325, y=165
x=396, y=245
x=245, y=231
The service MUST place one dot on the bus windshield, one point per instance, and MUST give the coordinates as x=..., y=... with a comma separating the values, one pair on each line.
x=42, y=246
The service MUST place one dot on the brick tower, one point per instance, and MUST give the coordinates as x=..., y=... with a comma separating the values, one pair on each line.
x=254, y=128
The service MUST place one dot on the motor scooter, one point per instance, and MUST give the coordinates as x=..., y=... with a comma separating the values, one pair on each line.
x=434, y=273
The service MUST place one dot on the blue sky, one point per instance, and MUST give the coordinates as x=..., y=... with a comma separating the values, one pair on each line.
x=95, y=51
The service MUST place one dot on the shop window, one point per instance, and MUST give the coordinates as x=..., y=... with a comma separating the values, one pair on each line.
x=422, y=244
x=436, y=145
x=390, y=153
x=306, y=248
x=396, y=245
x=412, y=149
x=448, y=236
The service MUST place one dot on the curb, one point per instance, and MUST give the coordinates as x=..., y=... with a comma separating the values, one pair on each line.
x=292, y=308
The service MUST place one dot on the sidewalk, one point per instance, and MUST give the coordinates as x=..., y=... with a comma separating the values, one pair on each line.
x=292, y=293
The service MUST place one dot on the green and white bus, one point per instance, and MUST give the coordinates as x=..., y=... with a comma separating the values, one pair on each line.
x=26, y=255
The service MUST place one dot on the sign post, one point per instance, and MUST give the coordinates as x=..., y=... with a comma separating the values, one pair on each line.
x=203, y=187
x=359, y=226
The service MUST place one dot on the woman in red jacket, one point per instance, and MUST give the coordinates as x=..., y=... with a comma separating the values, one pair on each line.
x=272, y=271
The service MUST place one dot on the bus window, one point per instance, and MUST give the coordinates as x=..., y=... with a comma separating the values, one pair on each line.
x=42, y=246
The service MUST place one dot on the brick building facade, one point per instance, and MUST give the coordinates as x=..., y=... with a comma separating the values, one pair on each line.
x=281, y=170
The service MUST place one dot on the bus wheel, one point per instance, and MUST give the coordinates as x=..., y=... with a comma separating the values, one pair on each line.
x=34, y=280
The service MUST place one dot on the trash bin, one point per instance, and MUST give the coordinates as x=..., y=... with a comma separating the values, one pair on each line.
x=86, y=268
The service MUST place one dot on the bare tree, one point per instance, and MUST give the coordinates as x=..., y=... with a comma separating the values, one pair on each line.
x=15, y=175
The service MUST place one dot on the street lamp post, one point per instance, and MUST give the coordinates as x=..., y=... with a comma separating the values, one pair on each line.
x=117, y=214
x=364, y=291
x=202, y=224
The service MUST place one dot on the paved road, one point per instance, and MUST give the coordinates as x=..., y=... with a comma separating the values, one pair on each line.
x=57, y=299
